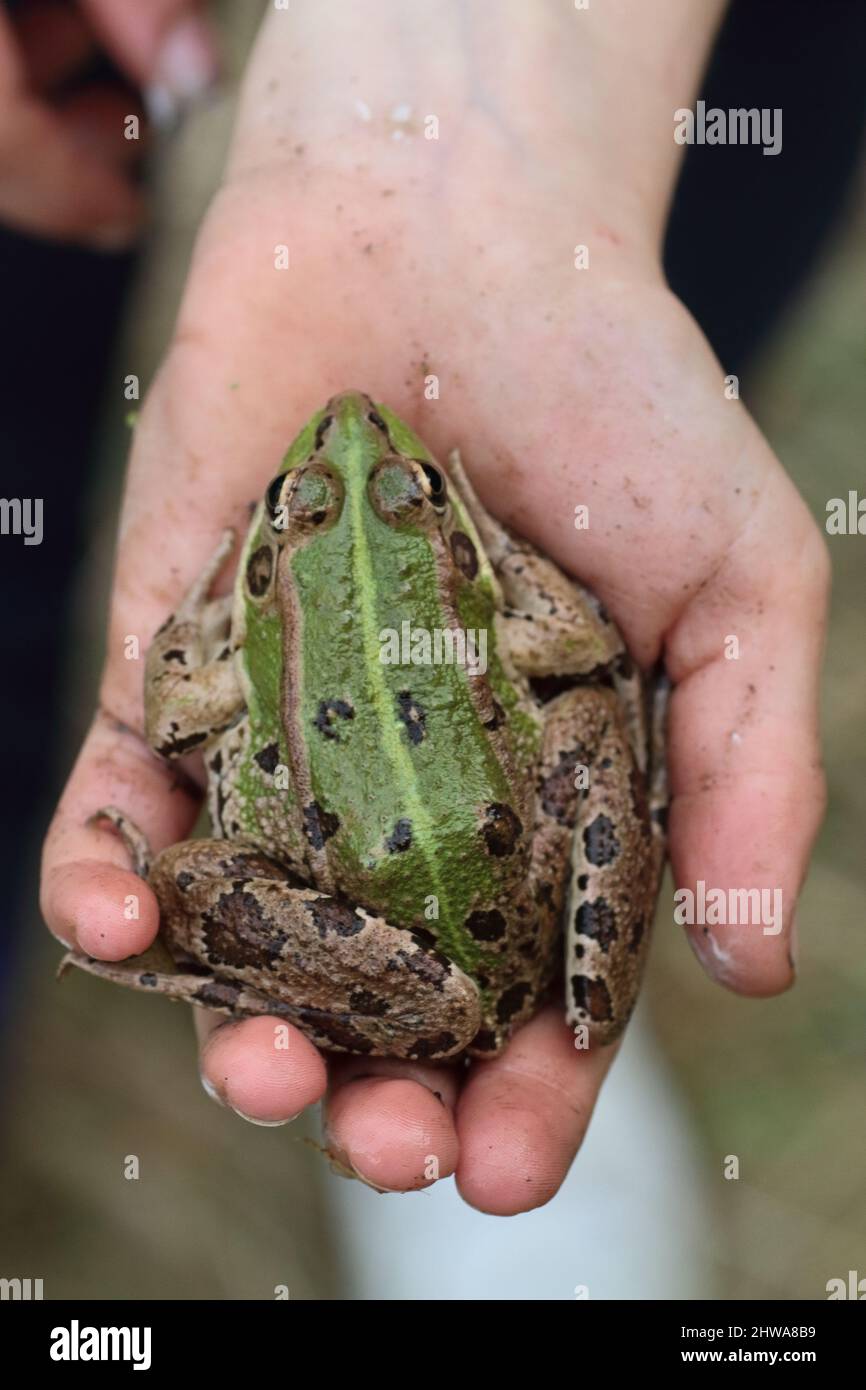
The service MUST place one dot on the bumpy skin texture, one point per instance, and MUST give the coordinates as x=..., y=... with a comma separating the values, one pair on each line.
x=398, y=846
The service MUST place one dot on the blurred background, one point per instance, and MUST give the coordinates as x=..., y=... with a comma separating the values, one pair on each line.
x=771, y=256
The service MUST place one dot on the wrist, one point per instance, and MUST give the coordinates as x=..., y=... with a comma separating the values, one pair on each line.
x=585, y=98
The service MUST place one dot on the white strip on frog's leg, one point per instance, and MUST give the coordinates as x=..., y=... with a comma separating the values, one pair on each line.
x=349, y=980
x=135, y=841
x=191, y=689
x=615, y=874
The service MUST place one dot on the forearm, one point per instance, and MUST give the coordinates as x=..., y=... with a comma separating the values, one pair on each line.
x=585, y=94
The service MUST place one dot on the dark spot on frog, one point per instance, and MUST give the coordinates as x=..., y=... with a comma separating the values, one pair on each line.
x=176, y=654
x=465, y=555
x=433, y=1047
x=546, y=688
x=484, y=1041
x=497, y=718
x=330, y=915
x=268, y=758
x=400, y=838
x=318, y=517
x=639, y=796
x=362, y=1001
x=412, y=715
x=328, y=713
x=319, y=825
x=486, y=926
x=431, y=967
x=544, y=895
x=638, y=927
x=174, y=747
x=184, y=879
x=501, y=829
x=216, y=763
x=217, y=995
x=579, y=952
x=591, y=997
x=375, y=419
x=600, y=841
x=148, y=979
x=224, y=654
x=324, y=426
x=558, y=790
x=336, y=1030
x=597, y=920
x=583, y=882
x=239, y=933
x=660, y=816
x=422, y=937
x=260, y=567
x=512, y=1001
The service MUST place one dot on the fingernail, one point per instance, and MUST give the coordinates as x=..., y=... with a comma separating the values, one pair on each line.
x=794, y=942
x=210, y=1090
x=265, y=1124
x=187, y=66
x=367, y=1182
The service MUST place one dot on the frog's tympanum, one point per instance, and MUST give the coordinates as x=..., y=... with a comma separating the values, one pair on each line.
x=436, y=782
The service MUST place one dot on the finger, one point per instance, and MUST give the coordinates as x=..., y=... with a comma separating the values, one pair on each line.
x=392, y=1122
x=94, y=118
x=522, y=1116
x=262, y=1068
x=87, y=879
x=166, y=47
x=49, y=185
x=743, y=753
x=54, y=42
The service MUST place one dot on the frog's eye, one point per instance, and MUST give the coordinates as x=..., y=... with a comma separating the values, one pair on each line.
x=305, y=499
x=272, y=496
x=407, y=491
x=437, y=490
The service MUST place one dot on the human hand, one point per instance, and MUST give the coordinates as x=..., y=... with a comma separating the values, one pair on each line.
x=64, y=159
x=561, y=387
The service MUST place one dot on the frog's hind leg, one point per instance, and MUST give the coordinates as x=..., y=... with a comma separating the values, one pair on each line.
x=191, y=689
x=346, y=978
x=616, y=865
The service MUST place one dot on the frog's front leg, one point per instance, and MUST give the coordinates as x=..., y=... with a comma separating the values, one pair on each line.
x=191, y=688
x=246, y=939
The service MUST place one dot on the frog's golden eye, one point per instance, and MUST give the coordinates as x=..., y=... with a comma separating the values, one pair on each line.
x=437, y=489
x=274, y=492
x=303, y=499
x=407, y=491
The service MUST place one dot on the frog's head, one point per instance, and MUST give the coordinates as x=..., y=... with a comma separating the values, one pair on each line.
x=359, y=470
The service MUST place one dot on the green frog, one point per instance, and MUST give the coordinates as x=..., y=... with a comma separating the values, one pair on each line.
x=435, y=779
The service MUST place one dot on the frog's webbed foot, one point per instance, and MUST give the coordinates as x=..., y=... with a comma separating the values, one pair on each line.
x=191, y=689
x=135, y=841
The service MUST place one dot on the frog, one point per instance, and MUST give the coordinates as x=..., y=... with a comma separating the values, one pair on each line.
x=435, y=777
